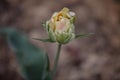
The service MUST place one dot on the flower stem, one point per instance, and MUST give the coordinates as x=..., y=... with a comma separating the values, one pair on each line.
x=56, y=60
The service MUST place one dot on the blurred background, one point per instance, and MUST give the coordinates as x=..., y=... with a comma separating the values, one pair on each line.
x=93, y=58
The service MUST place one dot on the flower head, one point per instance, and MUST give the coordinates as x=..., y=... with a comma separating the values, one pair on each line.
x=60, y=27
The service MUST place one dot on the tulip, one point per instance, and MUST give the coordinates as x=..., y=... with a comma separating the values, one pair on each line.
x=60, y=27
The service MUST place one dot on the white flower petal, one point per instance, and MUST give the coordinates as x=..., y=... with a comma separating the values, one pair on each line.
x=72, y=13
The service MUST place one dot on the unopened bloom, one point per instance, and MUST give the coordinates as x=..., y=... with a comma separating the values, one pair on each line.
x=60, y=27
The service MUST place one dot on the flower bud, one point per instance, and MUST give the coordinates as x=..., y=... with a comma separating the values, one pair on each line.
x=60, y=27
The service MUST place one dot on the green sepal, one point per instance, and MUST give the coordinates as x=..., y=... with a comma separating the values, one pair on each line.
x=44, y=40
x=83, y=35
x=72, y=20
x=43, y=24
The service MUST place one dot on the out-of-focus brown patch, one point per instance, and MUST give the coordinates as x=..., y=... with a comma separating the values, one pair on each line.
x=8, y=65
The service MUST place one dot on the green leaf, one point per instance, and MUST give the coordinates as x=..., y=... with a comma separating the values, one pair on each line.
x=44, y=40
x=84, y=35
x=48, y=76
x=33, y=61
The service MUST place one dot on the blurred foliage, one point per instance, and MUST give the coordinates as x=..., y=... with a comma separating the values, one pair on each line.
x=33, y=61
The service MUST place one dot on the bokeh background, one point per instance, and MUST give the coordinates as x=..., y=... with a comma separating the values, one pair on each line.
x=93, y=58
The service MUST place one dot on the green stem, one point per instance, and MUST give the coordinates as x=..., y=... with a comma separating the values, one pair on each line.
x=56, y=60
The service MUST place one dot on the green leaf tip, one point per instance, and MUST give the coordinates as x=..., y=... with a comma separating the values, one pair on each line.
x=43, y=24
x=44, y=40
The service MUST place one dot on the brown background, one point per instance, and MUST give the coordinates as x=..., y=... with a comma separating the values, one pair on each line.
x=93, y=58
